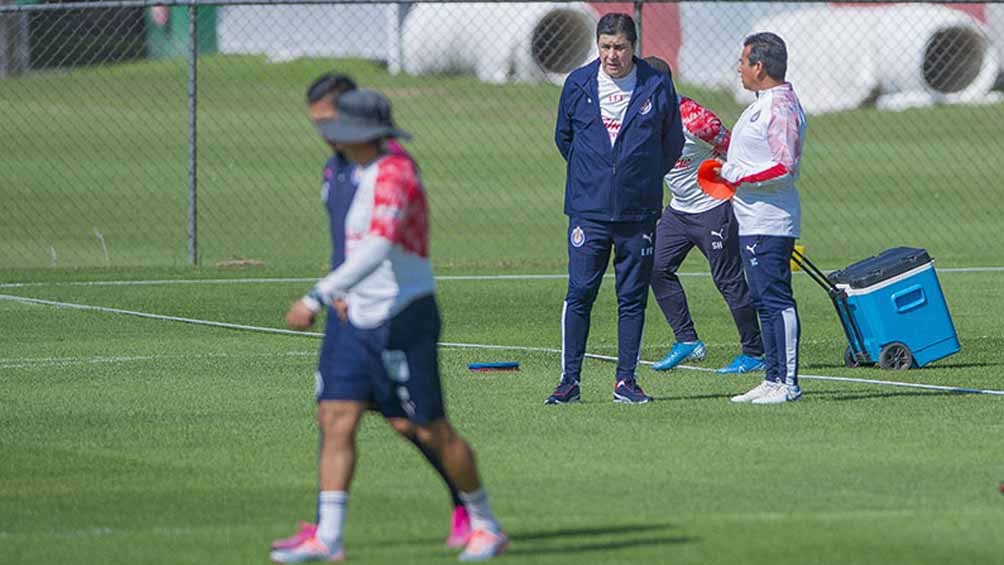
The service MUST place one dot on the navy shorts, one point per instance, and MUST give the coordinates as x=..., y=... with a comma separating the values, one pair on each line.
x=394, y=366
x=331, y=385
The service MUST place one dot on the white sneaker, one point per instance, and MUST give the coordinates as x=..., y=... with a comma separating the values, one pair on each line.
x=484, y=545
x=310, y=549
x=781, y=394
x=762, y=389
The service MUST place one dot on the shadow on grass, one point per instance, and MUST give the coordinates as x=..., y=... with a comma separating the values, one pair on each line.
x=697, y=396
x=569, y=540
x=583, y=540
x=839, y=395
x=872, y=371
x=814, y=366
x=842, y=396
x=940, y=365
x=588, y=531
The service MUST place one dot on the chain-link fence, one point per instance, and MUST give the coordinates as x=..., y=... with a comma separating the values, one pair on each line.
x=134, y=134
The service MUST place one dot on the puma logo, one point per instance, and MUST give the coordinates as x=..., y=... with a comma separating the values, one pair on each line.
x=718, y=234
x=647, y=237
x=752, y=248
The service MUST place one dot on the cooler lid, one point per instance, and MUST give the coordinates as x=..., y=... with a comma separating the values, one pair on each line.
x=883, y=266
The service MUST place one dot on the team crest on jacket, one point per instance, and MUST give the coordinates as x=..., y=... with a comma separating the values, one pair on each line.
x=578, y=237
x=646, y=107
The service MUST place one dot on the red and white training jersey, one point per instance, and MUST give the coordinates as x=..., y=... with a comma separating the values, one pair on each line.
x=615, y=96
x=704, y=137
x=763, y=160
x=387, y=244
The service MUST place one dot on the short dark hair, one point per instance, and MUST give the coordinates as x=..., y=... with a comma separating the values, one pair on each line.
x=614, y=23
x=660, y=65
x=768, y=48
x=328, y=84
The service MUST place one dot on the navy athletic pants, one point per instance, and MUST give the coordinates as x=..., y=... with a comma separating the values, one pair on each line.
x=589, y=246
x=767, y=261
x=715, y=233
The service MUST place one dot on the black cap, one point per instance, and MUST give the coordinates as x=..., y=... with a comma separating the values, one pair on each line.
x=363, y=115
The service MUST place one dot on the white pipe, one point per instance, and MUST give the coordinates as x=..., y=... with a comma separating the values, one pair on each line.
x=899, y=56
x=393, y=19
x=831, y=56
x=288, y=32
x=995, y=28
x=935, y=52
x=499, y=42
x=712, y=36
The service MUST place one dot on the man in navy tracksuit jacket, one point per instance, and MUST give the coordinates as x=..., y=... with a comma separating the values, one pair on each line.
x=619, y=130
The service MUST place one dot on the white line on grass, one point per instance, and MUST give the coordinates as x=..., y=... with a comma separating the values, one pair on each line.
x=162, y=282
x=26, y=300
x=278, y=280
x=865, y=381
x=305, y=280
x=971, y=270
x=211, y=323
x=44, y=362
x=97, y=532
x=29, y=362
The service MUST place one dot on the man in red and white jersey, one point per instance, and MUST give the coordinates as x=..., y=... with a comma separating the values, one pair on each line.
x=394, y=325
x=694, y=219
x=763, y=164
x=337, y=191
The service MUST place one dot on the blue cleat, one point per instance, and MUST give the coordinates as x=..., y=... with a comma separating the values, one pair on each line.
x=682, y=351
x=565, y=392
x=743, y=364
x=628, y=392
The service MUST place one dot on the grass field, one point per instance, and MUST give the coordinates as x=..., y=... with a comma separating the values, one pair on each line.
x=104, y=149
x=130, y=440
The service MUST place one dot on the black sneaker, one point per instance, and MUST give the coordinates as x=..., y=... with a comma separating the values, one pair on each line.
x=565, y=393
x=629, y=392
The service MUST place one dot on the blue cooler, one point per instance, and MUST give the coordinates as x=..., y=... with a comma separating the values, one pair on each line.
x=894, y=310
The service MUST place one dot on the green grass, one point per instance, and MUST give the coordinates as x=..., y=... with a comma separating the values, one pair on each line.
x=105, y=148
x=129, y=440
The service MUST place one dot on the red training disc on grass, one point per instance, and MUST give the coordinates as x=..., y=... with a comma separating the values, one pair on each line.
x=712, y=184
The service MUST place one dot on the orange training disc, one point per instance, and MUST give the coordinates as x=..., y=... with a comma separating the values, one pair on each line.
x=712, y=184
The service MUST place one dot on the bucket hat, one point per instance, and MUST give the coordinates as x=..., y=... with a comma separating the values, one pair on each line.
x=363, y=115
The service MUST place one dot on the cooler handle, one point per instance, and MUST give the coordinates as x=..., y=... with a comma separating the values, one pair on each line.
x=909, y=298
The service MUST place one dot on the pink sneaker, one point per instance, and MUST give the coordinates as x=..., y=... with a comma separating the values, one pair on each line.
x=484, y=545
x=460, y=528
x=311, y=549
x=305, y=532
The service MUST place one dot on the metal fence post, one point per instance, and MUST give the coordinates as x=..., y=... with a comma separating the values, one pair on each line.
x=637, y=18
x=393, y=21
x=193, y=57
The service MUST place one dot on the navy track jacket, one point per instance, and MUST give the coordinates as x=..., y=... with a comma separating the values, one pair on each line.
x=622, y=183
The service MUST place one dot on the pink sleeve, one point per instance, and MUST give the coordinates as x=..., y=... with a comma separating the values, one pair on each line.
x=394, y=147
x=704, y=125
x=400, y=214
x=782, y=134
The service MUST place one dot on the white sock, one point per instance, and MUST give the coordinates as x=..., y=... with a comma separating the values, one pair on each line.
x=480, y=511
x=331, y=522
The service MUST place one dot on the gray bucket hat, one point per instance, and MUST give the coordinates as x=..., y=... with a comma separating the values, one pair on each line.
x=363, y=115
